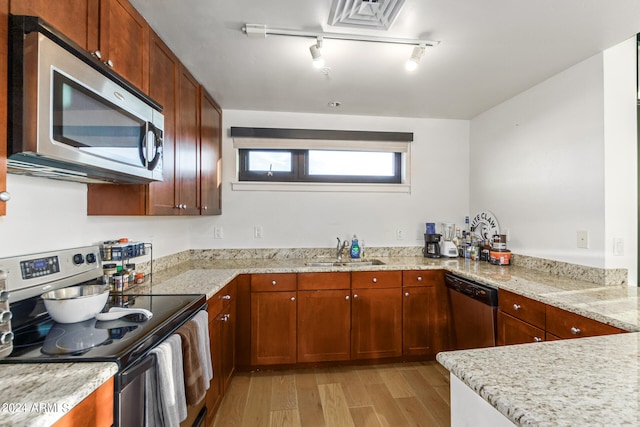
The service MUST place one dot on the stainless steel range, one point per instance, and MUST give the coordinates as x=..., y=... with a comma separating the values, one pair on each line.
x=36, y=338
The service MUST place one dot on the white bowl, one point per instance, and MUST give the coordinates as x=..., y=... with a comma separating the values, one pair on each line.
x=76, y=303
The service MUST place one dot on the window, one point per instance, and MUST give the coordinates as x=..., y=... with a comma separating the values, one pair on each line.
x=348, y=166
x=301, y=159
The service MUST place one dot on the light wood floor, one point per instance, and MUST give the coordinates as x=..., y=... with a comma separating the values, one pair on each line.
x=407, y=394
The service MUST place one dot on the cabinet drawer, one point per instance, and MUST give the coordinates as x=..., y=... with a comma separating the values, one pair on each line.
x=515, y=331
x=323, y=281
x=273, y=282
x=376, y=279
x=565, y=324
x=422, y=277
x=221, y=299
x=522, y=308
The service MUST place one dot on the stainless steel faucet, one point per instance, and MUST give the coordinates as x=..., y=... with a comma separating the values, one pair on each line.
x=340, y=248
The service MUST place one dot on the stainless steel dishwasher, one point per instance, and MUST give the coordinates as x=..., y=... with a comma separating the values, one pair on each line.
x=473, y=312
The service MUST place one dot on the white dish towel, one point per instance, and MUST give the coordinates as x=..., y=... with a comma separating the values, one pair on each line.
x=166, y=403
x=204, y=349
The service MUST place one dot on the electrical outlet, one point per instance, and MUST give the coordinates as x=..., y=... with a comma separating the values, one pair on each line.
x=618, y=246
x=218, y=233
x=583, y=239
x=257, y=232
x=399, y=234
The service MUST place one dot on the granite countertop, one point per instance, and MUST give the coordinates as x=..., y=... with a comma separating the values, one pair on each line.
x=68, y=384
x=40, y=394
x=578, y=382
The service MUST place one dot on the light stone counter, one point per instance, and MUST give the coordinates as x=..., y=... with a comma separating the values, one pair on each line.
x=580, y=382
x=37, y=395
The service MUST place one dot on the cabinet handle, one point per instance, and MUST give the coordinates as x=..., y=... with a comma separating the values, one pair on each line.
x=406, y=294
x=293, y=298
x=273, y=283
x=516, y=306
x=347, y=297
x=225, y=318
x=537, y=339
x=108, y=63
x=419, y=278
x=4, y=196
x=575, y=331
x=374, y=280
x=355, y=296
x=97, y=54
x=205, y=208
x=226, y=297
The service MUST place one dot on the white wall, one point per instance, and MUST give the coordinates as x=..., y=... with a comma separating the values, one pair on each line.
x=620, y=156
x=439, y=190
x=44, y=214
x=538, y=163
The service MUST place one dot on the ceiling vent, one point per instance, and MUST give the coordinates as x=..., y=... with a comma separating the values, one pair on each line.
x=372, y=14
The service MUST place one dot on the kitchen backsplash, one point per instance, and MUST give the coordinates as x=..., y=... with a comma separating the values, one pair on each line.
x=607, y=277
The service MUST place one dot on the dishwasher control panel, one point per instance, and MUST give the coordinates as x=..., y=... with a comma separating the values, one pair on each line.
x=479, y=291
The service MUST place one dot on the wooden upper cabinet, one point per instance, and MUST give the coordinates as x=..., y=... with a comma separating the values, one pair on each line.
x=187, y=145
x=210, y=155
x=164, y=69
x=124, y=41
x=76, y=19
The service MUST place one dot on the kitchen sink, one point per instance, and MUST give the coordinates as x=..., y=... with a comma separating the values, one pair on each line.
x=350, y=263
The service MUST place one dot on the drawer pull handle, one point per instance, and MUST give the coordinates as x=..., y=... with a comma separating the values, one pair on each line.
x=406, y=294
x=347, y=297
x=575, y=331
x=227, y=297
x=355, y=296
x=537, y=339
x=293, y=298
x=375, y=280
x=273, y=283
x=419, y=278
x=517, y=306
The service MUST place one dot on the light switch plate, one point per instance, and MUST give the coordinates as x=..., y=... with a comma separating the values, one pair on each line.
x=583, y=239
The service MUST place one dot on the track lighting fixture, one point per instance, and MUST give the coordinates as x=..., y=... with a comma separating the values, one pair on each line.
x=318, y=60
x=261, y=31
x=416, y=56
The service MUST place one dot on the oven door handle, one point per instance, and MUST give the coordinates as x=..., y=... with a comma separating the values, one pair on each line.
x=131, y=373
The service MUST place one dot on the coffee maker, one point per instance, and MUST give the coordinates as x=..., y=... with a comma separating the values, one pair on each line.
x=431, y=245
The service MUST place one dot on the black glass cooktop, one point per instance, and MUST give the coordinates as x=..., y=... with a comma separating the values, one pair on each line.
x=40, y=339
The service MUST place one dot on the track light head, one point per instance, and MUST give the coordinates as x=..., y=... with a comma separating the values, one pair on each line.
x=318, y=60
x=416, y=56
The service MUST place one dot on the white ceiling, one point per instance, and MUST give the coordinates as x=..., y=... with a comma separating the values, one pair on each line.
x=490, y=50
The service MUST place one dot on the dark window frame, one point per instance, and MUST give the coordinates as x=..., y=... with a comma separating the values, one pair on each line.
x=300, y=168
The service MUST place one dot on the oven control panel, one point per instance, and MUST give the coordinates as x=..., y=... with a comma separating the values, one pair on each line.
x=39, y=267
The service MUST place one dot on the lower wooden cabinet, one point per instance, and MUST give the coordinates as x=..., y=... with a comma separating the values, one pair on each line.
x=376, y=323
x=96, y=410
x=417, y=320
x=273, y=328
x=515, y=331
x=565, y=324
x=221, y=309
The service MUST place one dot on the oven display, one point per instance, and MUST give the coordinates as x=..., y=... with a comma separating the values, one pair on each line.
x=39, y=267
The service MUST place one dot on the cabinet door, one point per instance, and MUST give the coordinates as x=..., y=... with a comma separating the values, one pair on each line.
x=376, y=323
x=76, y=19
x=514, y=331
x=164, y=70
x=324, y=325
x=210, y=155
x=417, y=320
x=214, y=395
x=96, y=410
x=228, y=343
x=273, y=328
x=187, y=145
x=124, y=40
x=4, y=49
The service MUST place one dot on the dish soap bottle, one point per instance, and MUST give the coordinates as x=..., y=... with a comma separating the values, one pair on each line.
x=355, y=248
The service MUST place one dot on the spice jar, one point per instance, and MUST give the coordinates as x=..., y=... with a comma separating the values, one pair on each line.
x=139, y=279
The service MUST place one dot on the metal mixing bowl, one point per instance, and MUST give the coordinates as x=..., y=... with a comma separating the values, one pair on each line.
x=75, y=303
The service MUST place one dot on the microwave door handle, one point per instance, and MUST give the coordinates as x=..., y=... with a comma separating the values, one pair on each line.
x=157, y=136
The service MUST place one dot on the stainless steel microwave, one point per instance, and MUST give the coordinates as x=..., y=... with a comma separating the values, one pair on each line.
x=72, y=118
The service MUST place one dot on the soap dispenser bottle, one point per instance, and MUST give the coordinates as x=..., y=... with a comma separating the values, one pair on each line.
x=355, y=248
